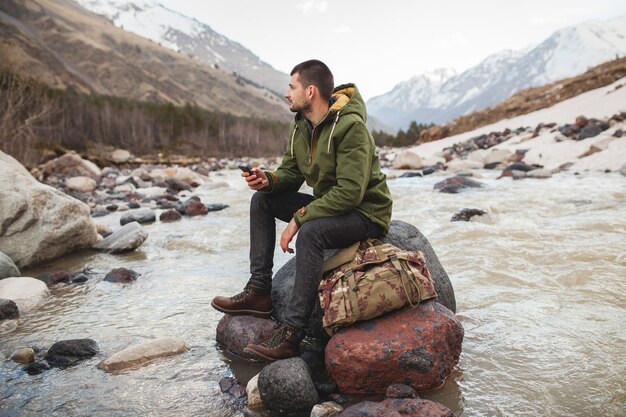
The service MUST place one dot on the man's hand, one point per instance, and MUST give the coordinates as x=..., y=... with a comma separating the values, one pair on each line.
x=257, y=180
x=288, y=234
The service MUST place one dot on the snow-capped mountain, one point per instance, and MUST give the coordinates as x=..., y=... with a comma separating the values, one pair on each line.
x=567, y=52
x=151, y=20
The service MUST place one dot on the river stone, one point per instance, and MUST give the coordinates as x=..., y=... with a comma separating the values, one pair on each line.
x=234, y=333
x=122, y=275
x=408, y=160
x=466, y=214
x=53, y=278
x=415, y=346
x=458, y=165
x=84, y=184
x=24, y=291
x=286, y=386
x=497, y=156
x=401, y=234
x=326, y=409
x=38, y=222
x=400, y=391
x=36, y=368
x=67, y=353
x=7, y=267
x=140, y=216
x=71, y=164
x=23, y=355
x=254, y=396
x=410, y=407
x=127, y=238
x=170, y=216
x=456, y=184
x=139, y=355
x=539, y=173
x=235, y=391
x=8, y=309
x=120, y=156
x=215, y=207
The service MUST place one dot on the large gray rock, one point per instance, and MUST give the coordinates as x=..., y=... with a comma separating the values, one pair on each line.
x=7, y=267
x=25, y=292
x=138, y=355
x=286, y=386
x=38, y=222
x=127, y=238
x=401, y=234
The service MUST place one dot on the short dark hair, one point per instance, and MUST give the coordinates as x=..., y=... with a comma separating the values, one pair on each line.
x=315, y=72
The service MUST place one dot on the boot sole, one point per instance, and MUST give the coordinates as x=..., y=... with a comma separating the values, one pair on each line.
x=255, y=313
x=257, y=355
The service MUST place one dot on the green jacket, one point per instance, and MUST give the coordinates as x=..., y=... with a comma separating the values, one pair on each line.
x=340, y=163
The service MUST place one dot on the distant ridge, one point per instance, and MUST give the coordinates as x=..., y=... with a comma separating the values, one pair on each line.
x=567, y=52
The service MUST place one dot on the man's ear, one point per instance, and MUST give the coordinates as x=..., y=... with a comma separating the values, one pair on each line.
x=311, y=91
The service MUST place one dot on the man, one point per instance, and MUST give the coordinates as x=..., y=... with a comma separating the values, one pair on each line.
x=331, y=149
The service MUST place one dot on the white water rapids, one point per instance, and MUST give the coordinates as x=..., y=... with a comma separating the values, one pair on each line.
x=539, y=282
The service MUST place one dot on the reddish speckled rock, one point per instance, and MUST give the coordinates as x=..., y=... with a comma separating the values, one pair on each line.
x=399, y=407
x=234, y=333
x=418, y=347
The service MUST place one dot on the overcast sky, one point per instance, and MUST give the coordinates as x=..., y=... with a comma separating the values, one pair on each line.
x=377, y=44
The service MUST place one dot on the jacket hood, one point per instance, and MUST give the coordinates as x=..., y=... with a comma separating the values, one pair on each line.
x=348, y=100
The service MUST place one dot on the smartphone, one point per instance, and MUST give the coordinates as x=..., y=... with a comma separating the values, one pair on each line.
x=246, y=168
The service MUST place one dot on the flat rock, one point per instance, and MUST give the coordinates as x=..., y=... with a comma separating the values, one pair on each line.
x=539, y=173
x=410, y=407
x=286, y=386
x=140, y=216
x=142, y=354
x=7, y=267
x=67, y=353
x=415, y=346
x=127, y=238
x=24, y=291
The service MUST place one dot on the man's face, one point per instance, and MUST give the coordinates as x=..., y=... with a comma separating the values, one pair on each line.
x=297, y=95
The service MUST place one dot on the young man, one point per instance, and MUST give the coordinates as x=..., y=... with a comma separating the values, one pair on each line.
x=331, y=149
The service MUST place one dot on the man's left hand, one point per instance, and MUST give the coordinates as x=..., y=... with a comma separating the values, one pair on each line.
x=287, y=236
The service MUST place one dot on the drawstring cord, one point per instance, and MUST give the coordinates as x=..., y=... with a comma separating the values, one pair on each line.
x=330, y=138
x=292, y=136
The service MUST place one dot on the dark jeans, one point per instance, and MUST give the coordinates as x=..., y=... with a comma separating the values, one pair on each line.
x=313, y=237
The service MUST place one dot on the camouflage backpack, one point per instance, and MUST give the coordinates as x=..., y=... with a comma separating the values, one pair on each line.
x=369, y=279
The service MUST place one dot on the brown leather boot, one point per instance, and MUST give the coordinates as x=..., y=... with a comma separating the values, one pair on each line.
x=283, y=345
x=249, y=301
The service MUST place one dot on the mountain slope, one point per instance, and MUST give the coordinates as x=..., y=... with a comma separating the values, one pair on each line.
x=63, y=45
x=151, y=20
x=565, y=53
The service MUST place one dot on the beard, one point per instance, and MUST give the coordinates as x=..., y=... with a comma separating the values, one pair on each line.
x=301, y=107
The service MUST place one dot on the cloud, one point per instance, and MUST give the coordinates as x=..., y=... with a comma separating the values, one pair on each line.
x=343, y=29
x=313, y=5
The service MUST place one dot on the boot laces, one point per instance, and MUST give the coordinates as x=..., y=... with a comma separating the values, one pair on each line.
x=278, y=338
x=241, y=296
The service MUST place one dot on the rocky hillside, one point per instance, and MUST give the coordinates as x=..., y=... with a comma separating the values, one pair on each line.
x=152, y=20
x=531, y=99
x=59, y=43
x=567, y=52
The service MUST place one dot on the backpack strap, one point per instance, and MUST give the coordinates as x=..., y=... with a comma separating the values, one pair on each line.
x=343, y=256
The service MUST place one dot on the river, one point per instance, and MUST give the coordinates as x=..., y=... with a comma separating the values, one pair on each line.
x=540, y=288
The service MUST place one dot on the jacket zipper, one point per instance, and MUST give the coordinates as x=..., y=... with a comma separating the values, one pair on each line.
x=312, y=141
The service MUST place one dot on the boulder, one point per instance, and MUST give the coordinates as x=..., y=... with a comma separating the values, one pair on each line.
x=456, y=184
x=234, y=333
x=139, y=355
x=127, y=238
x=8, y=309
x=69, y=352
x=25, y=292
x=7, y=267
x=415, y=346
x=140, y=216
x=121, y=275
x=83, y=184
x=410, y=407
x=38, y=222
x=71, y=164
x=408, y=160
x=401, y=234
x=286, y=387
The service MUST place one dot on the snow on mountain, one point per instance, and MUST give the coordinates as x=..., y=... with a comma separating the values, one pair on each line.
x=151, y=20
x=567, y=52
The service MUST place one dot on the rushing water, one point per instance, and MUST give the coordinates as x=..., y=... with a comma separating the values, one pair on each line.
x=539, y=282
